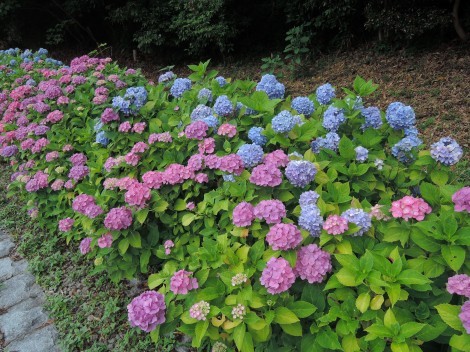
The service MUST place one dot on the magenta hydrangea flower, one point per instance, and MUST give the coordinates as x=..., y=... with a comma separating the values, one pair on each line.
x=278, y=276
x=231, y=163
x=57, y=185
x=410, y=208
x=227, y=129
x=78, y=159
x=465, y=316
x=125, y=127
x=139, y=147
x=312, y=263
x=52, y=156
x=272, y=211
x=139, y=127
x=37, y=182
x=109, y=115
x=195, y=162
x=137, y=194
x=54, y=116
x=266, y=175
x=78, y=172
x=181, y=282
x=461, y=199
x=277, y=158
x=199, y=310
x=168, y=245
x=196, y=130
x=243, y=214
x=335, y=225
x=284, y=237
x=147, y=311
x=207, y=146
x=105, y=241
x=154, y=179
x=85, y=204
x=132, y=159
x=85, y=245
x=118, y=219
x=66, y=224
x=459, y=284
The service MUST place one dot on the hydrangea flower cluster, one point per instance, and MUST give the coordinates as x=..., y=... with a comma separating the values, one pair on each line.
x=404, y=149
x=243, y=214
x=266, y=175
x=400, y=116
x=196, y=130
x=221, y=81
x=85, y=245
x=256, y=136
x=313, y=264
x=333, y=118
x=272, y=211
x=227, y=129
x=147, y=311
x=461, y=199
x=283, y=237
x=270, y=85
x=118, y=219
x=335, y=225
x=410, y=208
x=330, y=141
x=105, y=241
x=199, y=310
x=278, y=276
x=239, y=311
x=180, y=85
x=66, y=224
x=137, y=194
x=446, y=151
x=166, y=77
x=168, y=245
x=360, y=218
x=205, y=95
x=200, y=112
x=372, y=117
x=361, y=154
x=277, y=158
x=308, y=198
x=303, y=105
x=283, y=122
x=459, y=284
x=85, y=204
x=251, y=154
x=239, y=279
x=181, y=282
x=300, y=172
x=311, y=220
x=465, y=316
x=325, y=93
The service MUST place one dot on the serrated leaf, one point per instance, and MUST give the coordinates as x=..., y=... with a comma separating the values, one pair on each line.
x=450, y=315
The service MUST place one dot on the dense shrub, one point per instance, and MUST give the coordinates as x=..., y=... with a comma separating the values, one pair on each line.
x=257, y=227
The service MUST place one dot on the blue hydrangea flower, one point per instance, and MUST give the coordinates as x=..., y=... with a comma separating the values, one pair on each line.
x=98, y=126
x=137, y=97
x=26, y=53
x=300, y=172
x=229, y=178
x=121, y=104
x=325, y=93
x=411, y=132
x=283, y=122
x=372, y=118
x=311, y=220
x=255, y=135
x=166, y=77
x=360, y=218
x=223, y=106
x=330, y=141
x=180, y=85
x=379, y=164
x=403, y=150
x=361, y=154
x=211, y=121
x=205, y=95
x=30, y=82
x=221, y=80
x=200, y=112
x=400, y=116
x=270, y=85
x=251, y=154
x=298, y=120
x=42, y=51
x=101, y=138
x=250, y=111
x=333, y=118
x=303, y=105
x=308, y=198
x=446, y=151
x=13, y=62
x=238, y=107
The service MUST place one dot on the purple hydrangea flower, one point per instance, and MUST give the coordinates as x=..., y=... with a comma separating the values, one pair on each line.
x=205, y=95
x=147, y=311
x=278, y=276
x=9, y=151
x=311, y=220
x=330, y=141
x=325, y=93
x=308, y=198
x=446, y=151
x=251, y=154
x=400, y=116
x=300, y=172
x=465, y=316
x=312, y=264
x=360, y=218
x=200, y=112
x=223, y=106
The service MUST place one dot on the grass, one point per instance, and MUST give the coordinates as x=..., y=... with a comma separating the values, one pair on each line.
x=89, y=311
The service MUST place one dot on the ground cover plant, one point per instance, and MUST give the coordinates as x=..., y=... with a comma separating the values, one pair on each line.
x=262, y=221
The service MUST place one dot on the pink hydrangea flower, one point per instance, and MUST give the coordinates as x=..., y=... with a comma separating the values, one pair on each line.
x=78, y=159
x=78, y=172
x=118, y=219
x=154, y=179
x=190, y=205
x=335, y=225
x=272, y=211
x=109, y=115
x=266, y=175
x=67, y=148
x=200, y=310
x=54, y=116
x=465, y=316
x=227, y=129
x=147, y=311
x=138, y=194
x=231, y=163
x=132, y=159
x=461, y=199
x=201, y=178
x=57, y=185
x=105, y=241
x=312, y=263
x=37, y=182
x=177, y=173
x=52, y=156
x=85, y=245
x=66, y=224
x=376, y=212
x=126, y=182
x=459, y=284
x=69, y=184
x=164, y=137
x=125, y=127
x=139, y=147
x=207, y=146
x=278, y=276
x=284, y=237
x=410, y=208
x=196, y=130
x=195, y=162
x=182, y=282
x=168, y=245
x=110, y=183
x=139, y=127
x=243, y=214
x=277, y=158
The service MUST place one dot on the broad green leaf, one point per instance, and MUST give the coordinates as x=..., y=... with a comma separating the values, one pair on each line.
x=412, y=277
x=328, y=339
x=363, y=301
x=187, y=219
x=294, y=329
x=285, y=316
x=450, y=315
x=460, y=342
x=439, y=177
x=200, y=330
x=410, y=329
x=302, y=309
x=454, y=256
x=123, y=246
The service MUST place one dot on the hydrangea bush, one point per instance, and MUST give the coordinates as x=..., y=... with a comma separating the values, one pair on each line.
x=261, y=221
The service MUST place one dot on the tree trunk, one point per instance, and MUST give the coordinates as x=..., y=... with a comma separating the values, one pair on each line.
x=455, y=17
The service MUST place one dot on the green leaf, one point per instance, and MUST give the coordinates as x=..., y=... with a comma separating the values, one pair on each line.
x=302, y=309
x=285, y=316
x=294, y=329
x=454, y=256
x=430, y=193
x=141, y=215
x=410, y=329
x=144, y=260
x=460, y=342
x=450, y=315
x=439, y=177
x=239, y=335
x=346, y=148
x=328, y=339
x=135, y=240
x=399, y=347
x=180, y=205
x=347, y=277
x=160, y=206
x=188, y=219
x=412, y=277
x=200, y=330
x=155, y=280
x=379, y=330
x=247, y=343
x=363, y=301
x=123, y=246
